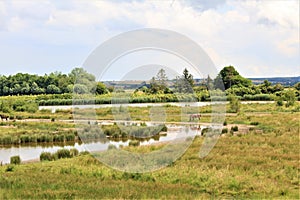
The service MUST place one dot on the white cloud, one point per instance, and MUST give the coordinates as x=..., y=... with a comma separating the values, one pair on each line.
x=16, y=24
x=284, y=13
x=242, y=33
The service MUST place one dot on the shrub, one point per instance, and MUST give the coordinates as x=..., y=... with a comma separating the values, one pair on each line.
x=9, y=168
x=224, y=130
x=254, y=123
x=290, y=98
x=164, y=128
x=46, y=156
x=63, y=153
x=143, y=124
x=206, y=130
x=279, y=101
x=234, y=128
x=16, y=160
x=134, y=143
x=225, y=123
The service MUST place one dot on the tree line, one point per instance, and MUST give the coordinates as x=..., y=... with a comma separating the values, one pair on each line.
x=78, y=80
x=228, y=80
x=81, y=82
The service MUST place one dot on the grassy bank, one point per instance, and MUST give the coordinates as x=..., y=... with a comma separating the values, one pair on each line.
x=255, y=165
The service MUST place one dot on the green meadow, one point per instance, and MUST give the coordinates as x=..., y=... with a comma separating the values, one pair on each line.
x=261, y=163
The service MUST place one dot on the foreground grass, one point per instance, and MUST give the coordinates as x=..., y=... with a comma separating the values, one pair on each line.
x=255, y=165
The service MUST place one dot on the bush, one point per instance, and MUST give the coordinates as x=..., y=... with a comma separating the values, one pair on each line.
x=16, y=160
x=46, y=156
x=224, y=130
x=254, y=123
x=225, y=123
x=134, y=143
x=279, y=101
x=9, y=168
x=205, y=130
x=290, y=97
x=234, y=128
x=164, y=128
x=63, y=153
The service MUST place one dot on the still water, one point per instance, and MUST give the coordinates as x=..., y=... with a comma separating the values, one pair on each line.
x=32, y=152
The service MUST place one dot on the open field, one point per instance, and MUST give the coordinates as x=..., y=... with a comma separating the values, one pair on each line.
x=262, y=164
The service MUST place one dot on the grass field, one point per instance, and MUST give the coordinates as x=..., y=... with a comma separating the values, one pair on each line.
x=254, y=165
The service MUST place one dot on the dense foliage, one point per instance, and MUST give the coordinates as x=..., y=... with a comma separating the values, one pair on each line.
x=79, y=81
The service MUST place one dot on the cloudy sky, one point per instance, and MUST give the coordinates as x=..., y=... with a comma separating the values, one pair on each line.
x=259, y=38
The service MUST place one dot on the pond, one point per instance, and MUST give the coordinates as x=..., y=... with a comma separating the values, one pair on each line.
x=181, y=104
x=32, y=152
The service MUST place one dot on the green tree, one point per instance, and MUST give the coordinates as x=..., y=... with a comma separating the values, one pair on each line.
x=159, y=83
x=53, y=89
x=35, y=89
x=230, y=77
x=277, y=88
x=188, y=78
x=209, y=83
x=290, y=97
x=25, y=88
x=82, y=77
x=266, y=87
x=154, y=87
x=80, y=89
x=162, y=79
x=185, y=83
x=101, y=88
x=70, y=88
x=297, y=86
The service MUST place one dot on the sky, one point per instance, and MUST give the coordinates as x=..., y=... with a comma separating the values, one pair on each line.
x=259, y=38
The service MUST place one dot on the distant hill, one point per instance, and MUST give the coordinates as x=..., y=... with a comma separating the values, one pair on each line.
x=286, y=81
x=133, y=84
